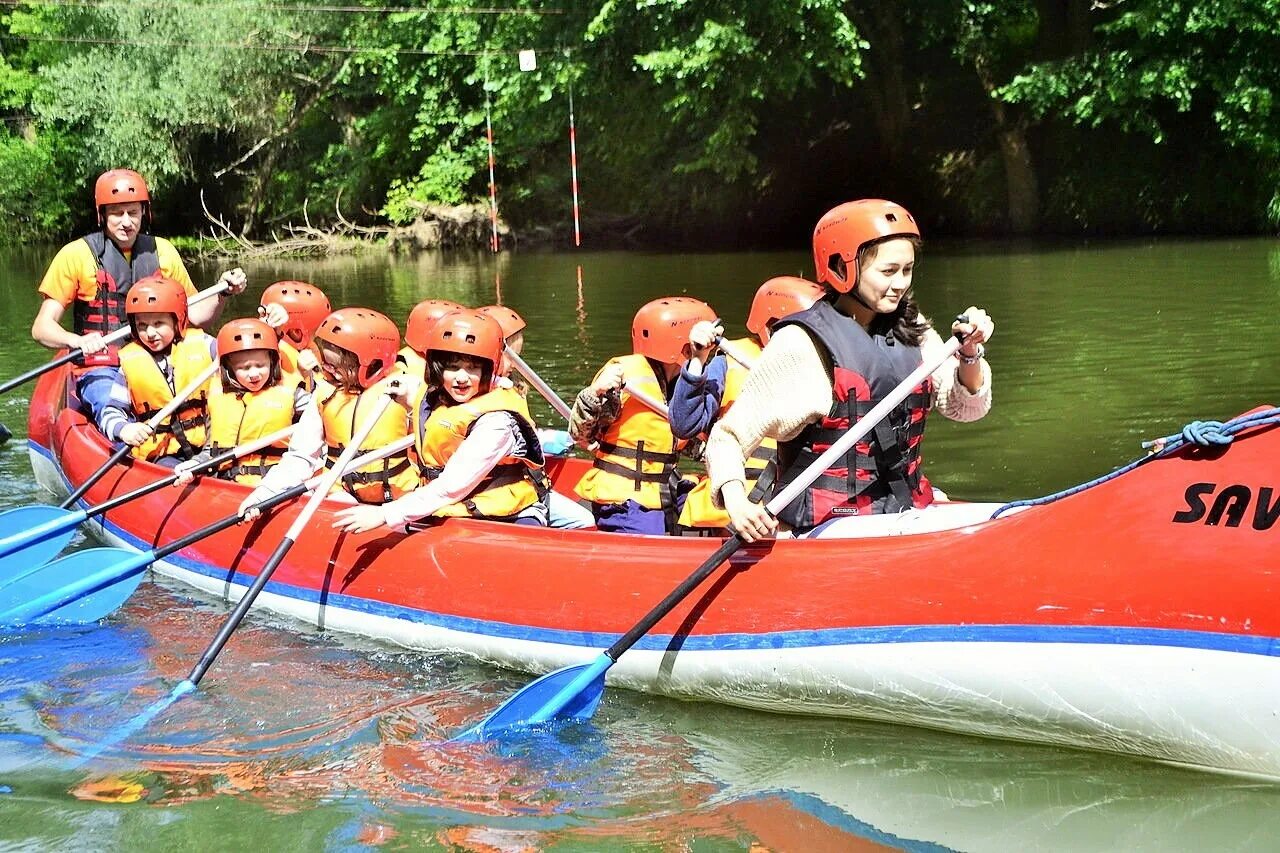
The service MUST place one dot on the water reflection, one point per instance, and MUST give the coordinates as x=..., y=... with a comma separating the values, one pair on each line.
x=330, y=741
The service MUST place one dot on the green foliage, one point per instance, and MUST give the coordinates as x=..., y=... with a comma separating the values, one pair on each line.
x=33, y=195
x=693, y=116
x=1159, y=62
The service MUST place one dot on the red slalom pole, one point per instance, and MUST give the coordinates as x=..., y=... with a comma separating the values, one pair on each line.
x=493, y=186
x=573, y=166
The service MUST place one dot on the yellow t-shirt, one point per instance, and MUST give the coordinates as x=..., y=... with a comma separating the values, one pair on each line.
x=73, y=273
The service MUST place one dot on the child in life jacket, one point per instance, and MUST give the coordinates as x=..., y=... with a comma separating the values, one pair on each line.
x=358, y=355
x=250, y=399
x=295, y=310
x=711, y=380
x=164, y=357
x=634, y=486
x=477, y=450
x=421, y=319
x=563, y=512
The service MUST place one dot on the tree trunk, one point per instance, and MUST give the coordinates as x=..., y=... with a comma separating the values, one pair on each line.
x=1022, y=190
x=887, y=88
x=1021, y=187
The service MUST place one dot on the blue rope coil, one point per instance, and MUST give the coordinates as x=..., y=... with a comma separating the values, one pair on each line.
x=1199, y=433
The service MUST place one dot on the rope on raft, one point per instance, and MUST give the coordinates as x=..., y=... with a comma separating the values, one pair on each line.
x=1200, y=433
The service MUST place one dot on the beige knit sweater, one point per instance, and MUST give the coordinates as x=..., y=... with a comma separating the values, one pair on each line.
x=790, y=387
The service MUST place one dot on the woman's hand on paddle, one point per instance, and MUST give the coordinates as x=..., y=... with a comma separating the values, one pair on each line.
x=134, y=434
x=360, y=519
x=750, y=519
x=980, y=328
x=182, y=476
x=91, y=343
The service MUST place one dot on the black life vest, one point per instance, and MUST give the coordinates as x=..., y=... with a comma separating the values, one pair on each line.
x=882, y=472
x=115, y=275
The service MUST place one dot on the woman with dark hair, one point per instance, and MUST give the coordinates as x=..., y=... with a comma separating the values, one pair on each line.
x=826, y=367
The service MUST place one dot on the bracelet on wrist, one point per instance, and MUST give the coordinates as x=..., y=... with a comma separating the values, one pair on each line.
x=972, y=359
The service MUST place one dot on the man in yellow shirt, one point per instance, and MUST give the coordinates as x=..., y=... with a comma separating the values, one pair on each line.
x=93, y=274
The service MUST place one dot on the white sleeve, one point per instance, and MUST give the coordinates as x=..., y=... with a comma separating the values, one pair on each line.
x=952, y=400
x=493, y=437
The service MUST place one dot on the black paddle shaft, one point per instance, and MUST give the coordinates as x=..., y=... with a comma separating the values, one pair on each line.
x=141, y=491
x=726, y=550
x=95, y=477
x=237, y=616
x=223, y=523
x=44, y=368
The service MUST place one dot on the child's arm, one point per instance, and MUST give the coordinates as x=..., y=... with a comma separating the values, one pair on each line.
x=695, y=399
x=598, y=405
x=116, y=420
x=494, y=436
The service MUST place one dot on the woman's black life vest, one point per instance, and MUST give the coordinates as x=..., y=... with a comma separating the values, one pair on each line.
x=881, y=473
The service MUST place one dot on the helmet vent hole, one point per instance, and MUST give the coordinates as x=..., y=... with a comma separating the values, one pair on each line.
x=837, y=267
x=892, y=217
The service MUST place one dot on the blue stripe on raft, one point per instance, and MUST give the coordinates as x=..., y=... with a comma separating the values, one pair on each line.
x=878, y=635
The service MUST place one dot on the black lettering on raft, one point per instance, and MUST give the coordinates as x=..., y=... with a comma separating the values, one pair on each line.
x=1231, y=505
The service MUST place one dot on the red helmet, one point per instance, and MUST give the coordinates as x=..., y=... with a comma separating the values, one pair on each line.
x=119, y=186
x=247, y=334
x=423, y=317
x=777, y=298
x=846, y=228
x=468, y=332
x=307, y=306
x=369, y=335
x=157, y=294
x=660, y=329
x=509, y=320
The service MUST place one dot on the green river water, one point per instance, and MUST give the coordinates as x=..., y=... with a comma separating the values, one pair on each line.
x=301, y=740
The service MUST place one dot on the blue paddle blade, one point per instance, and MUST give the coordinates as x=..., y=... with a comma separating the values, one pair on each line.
x=537, y=701
x=61, y=592
x=33, y=535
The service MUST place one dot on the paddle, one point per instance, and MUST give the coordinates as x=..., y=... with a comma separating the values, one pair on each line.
x=657, y=406
x=536, y=381
x=156, y=419
x=110, y=338
x=33, y=535
x=89, y=585
x=574, y=692
x=188, y=685
x=731, y=349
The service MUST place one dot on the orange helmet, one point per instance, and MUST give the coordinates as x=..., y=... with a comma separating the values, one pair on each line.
x=307, y=306
x=660, y=329
x=508, y=319
x=778, y=298
x=423, y=317
x=845, y=229
x=369, y=335
x=247, y=334
x=119, y=186
x=467, y=332
x=157, y=294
